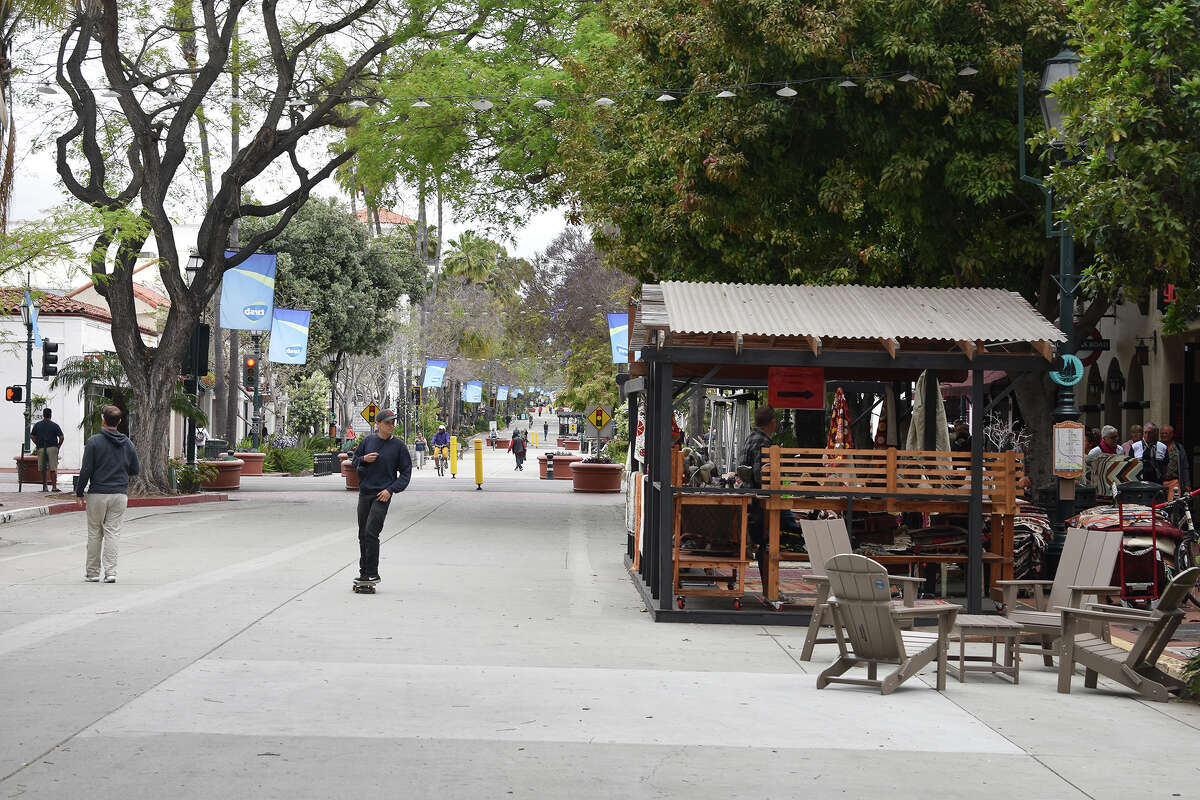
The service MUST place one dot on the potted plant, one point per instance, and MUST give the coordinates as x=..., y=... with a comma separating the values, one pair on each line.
x=252, y=456
x=350, y=474
x=189, y=477
x=226, y=473
x=597, y=474
x=562, y=465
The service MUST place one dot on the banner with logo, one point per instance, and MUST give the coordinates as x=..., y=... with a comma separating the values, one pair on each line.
x=435, y=373
x=289, y=336
x=248, y=293
x=501, y=394
x=618, y=337
x=473, y=392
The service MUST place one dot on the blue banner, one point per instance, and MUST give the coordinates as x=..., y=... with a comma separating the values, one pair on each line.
x=435, y=373
x=248, y=293
x=289, y=336
x=33, y=318
x=618, y=337
x=501, y=394
x=473, y=392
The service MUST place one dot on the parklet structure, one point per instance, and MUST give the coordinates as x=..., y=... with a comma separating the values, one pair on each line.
x=688, y=336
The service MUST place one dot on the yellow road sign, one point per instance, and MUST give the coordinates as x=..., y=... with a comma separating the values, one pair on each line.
x=599, y=417
x=369, y=413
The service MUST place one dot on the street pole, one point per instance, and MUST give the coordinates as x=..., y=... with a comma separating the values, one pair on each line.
x=28, y=383
x=256, y=417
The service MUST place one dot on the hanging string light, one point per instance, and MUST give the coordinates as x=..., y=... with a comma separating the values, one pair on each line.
x=786, y=91
x=907, y=77
x=543, y=103
x=604, y=102
x=725, y=93
x=482, y=104
x=665, y=98
x=847, y=84
x=968, y=71
x=421, y=103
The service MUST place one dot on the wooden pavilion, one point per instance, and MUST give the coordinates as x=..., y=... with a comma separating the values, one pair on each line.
x=695, y=335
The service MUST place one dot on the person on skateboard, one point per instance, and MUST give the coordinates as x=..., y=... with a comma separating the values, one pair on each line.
x=384, y=468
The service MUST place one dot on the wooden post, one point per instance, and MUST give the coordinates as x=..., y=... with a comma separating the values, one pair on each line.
x=892, y=482
x=770, y=580
x=664, y=499
x=975, y=506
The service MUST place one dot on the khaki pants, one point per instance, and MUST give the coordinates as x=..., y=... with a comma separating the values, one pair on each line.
x=104, y=513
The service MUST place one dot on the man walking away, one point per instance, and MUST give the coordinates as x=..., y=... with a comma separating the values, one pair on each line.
x=47, y=437
x=545, y=432
x=516, y=446
x=384, y=468
x=108, y=461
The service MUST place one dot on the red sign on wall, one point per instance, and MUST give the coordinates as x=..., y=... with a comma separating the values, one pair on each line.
x=796, y=387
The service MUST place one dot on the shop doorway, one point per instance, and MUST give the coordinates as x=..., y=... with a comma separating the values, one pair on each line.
x=1114, y=387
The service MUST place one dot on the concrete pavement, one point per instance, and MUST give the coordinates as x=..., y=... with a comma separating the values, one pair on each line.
x=505, y=655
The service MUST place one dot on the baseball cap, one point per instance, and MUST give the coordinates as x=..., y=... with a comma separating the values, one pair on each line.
x=387, y=415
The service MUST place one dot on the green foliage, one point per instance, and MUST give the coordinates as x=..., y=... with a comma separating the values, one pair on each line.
x=1132, y=121
x=591, y=377
x=427, y=417
x=189, y=477
x=321, y=444
x=1191, y=675
x=309, y=406
x=292, y=459
x=101, y=381
x=884, y=183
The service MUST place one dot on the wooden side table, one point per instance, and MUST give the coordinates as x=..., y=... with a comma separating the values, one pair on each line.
x=995, y=628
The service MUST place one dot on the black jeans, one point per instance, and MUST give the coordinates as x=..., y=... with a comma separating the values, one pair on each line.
x=371, y=514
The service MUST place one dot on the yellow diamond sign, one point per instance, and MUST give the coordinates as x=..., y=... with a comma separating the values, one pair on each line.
x=599, y=417
x=369, y=413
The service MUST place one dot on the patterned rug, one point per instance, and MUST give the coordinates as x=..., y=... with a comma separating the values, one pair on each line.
x=794, y=583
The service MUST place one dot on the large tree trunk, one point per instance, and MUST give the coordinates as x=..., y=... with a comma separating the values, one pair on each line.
x=1035, y=397
x=696, y=411
x=151, y=431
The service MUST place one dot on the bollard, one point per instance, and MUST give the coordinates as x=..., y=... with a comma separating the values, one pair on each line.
x=478, y=463
x=535, y=440
x=549, y=466
x=453, y=456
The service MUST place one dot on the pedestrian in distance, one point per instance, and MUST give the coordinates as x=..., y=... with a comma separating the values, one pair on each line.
x=419, y=445
x=517, y=447
x=1177, y=474
x=384, y=469
x=47, y=437
x=109, y=460
x=545, y=432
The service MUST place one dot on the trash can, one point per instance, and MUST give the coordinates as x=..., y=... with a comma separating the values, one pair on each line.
x=214, y=447
x=1142, y=493
x=1085, y=497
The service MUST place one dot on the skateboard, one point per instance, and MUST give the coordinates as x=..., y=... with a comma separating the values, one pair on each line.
x=364, y=587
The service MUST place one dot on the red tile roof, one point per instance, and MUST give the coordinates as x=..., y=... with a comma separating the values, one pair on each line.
x=140, y=291
x=386, y=217
x=56, y=305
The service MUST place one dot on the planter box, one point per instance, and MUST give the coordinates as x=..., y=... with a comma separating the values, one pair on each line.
x=343, y=456
x=350, y=474
x=570, y=444
x=27, y=464
x=562, y=467
x=254, y=462
x=502, y=444
x=596, y=477
x=559, y=442
x=229, y=475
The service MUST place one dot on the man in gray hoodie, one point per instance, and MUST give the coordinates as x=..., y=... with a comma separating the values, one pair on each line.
x=108, y=461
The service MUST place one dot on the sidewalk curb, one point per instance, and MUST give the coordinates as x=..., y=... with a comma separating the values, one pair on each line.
x=16, y=515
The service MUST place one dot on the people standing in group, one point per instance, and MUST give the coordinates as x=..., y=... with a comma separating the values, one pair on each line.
x=1152, y=453
x=1108, y=442
x=384, y=468
x=1135, y=436
x=419, y=445
x=518, y=448
x=47, y=437
x=1177, y=473
x=109, y=460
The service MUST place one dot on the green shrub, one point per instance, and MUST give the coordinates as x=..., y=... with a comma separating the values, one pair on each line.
x=1191, y=676
x=293, y=459
x=321, y=444
x=617, y=450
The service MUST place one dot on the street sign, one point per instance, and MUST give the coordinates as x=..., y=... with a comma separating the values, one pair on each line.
x=599, y=421
x=369, y=413
x=796, y=387
x=1095, y=344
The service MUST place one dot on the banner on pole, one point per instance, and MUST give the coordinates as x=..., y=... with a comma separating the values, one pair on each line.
x=435, y=373
x=618, y=337
x=248, y=293
x=289, y=336
x=473, y=392
x=33, y=318
x=501, y=394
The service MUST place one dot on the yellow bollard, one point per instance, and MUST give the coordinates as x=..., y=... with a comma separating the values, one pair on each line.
x=478, y=463
x=453, y=456
x=535, y=440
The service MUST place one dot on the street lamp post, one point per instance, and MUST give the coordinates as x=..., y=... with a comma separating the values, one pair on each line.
x=194, y=263
x=1064, y=64
x=27, y=311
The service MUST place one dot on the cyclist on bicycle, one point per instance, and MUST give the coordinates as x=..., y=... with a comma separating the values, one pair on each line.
x=441, y=442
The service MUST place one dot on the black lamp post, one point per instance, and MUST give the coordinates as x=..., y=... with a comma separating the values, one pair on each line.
x=192, y=268
x=27, y=310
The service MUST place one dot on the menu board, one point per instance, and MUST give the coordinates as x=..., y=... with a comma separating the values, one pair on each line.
x=1068, y=449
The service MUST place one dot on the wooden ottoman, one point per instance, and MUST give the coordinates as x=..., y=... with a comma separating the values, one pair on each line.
x=992, y=627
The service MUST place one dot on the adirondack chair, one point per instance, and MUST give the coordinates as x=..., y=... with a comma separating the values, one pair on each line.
x=1085, y=570
x=826, y=538
x=1137, y=668
x=863, y=611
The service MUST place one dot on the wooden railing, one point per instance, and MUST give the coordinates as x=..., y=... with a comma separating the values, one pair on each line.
x=922, y=475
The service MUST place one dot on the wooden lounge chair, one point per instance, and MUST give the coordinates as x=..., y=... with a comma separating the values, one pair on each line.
x=824, y=539
x=863, y=611
x=1085, y=570
x=1137, y=668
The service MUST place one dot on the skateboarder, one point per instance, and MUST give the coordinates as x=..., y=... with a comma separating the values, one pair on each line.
x=384, y=468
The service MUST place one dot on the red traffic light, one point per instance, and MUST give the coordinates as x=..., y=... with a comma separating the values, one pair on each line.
x=14, y=394
x=251, y=362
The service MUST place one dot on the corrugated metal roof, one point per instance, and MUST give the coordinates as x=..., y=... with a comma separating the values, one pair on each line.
x=846, y=312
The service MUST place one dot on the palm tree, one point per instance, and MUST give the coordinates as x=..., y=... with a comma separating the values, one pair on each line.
x=101, y=380
x=473, y=258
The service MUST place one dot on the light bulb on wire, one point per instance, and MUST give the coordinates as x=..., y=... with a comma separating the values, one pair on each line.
x=786, y=91
x=421, y=103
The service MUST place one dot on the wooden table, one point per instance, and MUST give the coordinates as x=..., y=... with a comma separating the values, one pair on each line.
x=732, y=566
x=994, y=628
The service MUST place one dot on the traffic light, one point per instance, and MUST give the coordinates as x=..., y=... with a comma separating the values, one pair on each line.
x=249, y=370
x=14, y=394
x=49, y=358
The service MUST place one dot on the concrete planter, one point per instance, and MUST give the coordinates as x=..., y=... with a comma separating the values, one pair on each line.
x=502, y=444
x=29, y=468
x=350, y=474
x=570, y=444
x=596, y=477
x=229, y=475
x=562, y=467
x=254, y=462
x=343, y=456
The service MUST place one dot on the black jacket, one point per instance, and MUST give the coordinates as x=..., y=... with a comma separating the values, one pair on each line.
x=108, y=461
x=391, y=471
x=752, y=453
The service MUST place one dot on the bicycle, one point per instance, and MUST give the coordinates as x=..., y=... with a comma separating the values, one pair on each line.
x=1187, y=552
x=441, y=460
